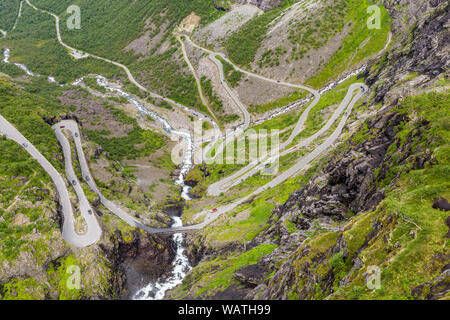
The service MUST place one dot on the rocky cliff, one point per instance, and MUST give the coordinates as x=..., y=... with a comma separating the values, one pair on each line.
x=422, y=43
x=138, y=261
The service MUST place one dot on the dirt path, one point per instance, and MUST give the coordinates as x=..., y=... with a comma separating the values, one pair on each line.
x=197, y=80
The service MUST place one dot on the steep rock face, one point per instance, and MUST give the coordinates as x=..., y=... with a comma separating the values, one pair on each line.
x=424, y=50
x=350, y=185
x=198, y=250
x=437, y=288
x=406, y=13
x=291, y=273
x=137, y=262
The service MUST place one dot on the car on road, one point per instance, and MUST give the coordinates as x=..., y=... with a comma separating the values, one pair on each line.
x=76, y=134
x=25, y=145
x=62, y=127
x=214, y=210
x=88, y=178
x=90, y=211
x=74, y=182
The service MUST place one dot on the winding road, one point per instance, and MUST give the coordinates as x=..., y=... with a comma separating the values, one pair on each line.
x=285, y=148
x=239, y=130
x=355, y=92
x=94, y=231
x=234, y=97
x=247, y=118
x=72, y=127
x=197, y=80
x=69, y=234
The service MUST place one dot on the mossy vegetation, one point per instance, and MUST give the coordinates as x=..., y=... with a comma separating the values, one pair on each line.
x=244, y=227
x=26, y=289
x=61, y=277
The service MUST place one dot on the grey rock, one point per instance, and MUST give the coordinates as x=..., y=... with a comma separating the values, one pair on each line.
x=252, y=275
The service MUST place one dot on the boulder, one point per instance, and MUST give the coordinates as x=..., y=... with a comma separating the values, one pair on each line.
x=251, y=275
x=441, y=203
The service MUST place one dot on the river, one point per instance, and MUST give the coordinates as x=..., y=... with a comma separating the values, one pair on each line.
x=157, y=290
